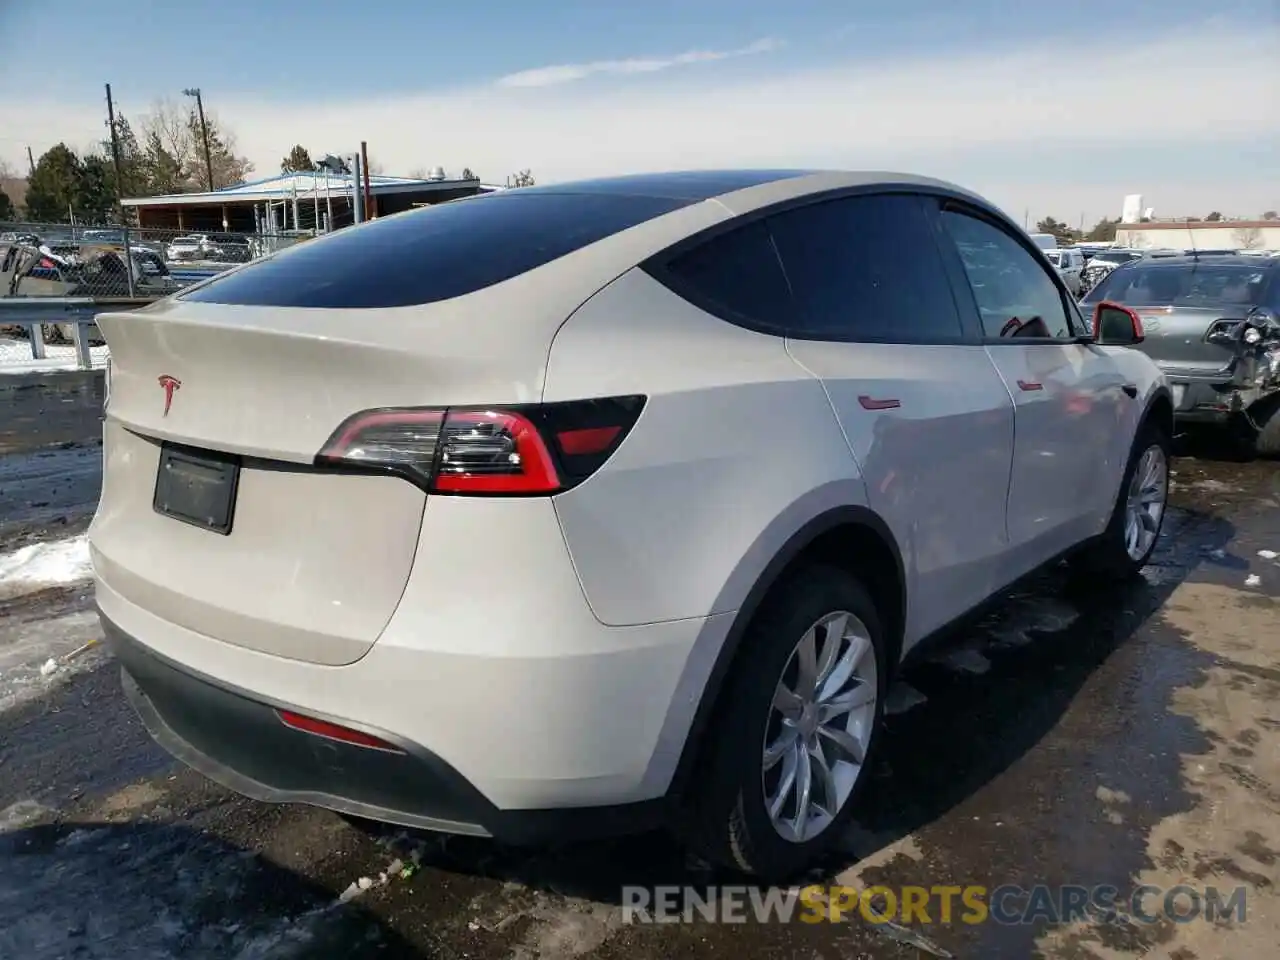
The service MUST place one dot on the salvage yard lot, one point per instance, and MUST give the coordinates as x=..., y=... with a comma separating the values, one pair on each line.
x=1117, y=734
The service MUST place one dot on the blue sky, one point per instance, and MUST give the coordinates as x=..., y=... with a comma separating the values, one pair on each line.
x=570, y=87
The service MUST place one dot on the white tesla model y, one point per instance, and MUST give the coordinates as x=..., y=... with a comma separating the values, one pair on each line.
x=584, y=508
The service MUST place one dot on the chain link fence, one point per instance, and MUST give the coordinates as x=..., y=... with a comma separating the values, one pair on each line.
x=119, y=262
x=107, y=267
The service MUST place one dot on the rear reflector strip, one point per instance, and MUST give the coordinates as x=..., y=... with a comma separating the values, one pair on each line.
x=333, y=731
x=576, y=443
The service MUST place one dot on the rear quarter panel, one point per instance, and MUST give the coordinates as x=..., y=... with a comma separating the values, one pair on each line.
x=737, y=448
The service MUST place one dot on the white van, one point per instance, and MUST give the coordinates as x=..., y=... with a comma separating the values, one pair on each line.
x=1070, y=263
x=1045, y=241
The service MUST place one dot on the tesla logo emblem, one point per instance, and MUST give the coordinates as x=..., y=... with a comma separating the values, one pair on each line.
x=170, y=385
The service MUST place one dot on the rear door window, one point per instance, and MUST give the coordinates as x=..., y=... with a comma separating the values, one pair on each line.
x=434, y=253
x=866, y=268
x=734, y=275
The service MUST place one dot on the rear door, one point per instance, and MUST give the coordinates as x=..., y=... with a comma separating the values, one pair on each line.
x=924, y=412
x=1072, y=405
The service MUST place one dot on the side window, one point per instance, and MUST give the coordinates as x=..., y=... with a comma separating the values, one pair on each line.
x=735, y=275
x=866, y=268
x=1015, y=295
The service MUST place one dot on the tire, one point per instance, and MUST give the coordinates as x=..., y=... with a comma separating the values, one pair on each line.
x=726, y=819
x=1266, y=417
x=1109, y=555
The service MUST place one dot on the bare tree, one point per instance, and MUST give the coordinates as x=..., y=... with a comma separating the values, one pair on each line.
x=167, y=128
x=174, y=143
x=1248, y=238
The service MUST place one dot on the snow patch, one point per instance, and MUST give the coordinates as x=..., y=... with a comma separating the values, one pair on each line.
x=15, y=357
x=28, y=648
x=40, y=565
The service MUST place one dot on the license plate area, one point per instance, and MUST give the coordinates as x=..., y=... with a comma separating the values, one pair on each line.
x=1179, y=392
x=197, y=487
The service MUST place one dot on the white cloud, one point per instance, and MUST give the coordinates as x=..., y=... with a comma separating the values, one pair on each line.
x=569, y=72
x=1174, y=116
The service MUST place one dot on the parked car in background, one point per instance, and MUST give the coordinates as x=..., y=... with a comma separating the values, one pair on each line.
x=1070, y=265
x=1091, y=249
x=183, y=248
x=1212, y=323
x=1045, y=241
x=84, y=270
x=215, y=247
x=743, y=439
x=225, y=248
x=104, y=235
x=1103, y=262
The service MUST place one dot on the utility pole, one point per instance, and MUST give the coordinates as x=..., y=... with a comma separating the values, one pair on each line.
x=204, y=133
x=356, y=205
x=115, y=153
x=364, y=167
x=31, y=162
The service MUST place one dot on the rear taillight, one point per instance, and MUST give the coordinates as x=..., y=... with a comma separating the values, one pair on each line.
x=536, y=449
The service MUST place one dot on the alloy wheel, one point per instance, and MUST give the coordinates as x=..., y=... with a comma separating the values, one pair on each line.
x=1145, y=503
x=820, y=725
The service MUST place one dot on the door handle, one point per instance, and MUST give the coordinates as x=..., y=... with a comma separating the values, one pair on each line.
x=1130, y=389
x=1030, y=385
x=871, y=403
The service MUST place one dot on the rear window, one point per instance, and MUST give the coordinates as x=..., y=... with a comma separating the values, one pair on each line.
x=433, y=253
x=1182, y=284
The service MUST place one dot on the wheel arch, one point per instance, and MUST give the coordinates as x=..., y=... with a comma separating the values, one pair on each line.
x=852, y=537
x=1159, y=411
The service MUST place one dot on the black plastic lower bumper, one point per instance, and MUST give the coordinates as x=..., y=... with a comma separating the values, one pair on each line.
x=237, y=739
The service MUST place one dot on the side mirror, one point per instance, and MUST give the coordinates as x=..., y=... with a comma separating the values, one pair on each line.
x=1114, y=325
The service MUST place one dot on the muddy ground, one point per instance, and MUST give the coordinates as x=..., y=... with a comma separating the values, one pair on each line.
x=1122, y=735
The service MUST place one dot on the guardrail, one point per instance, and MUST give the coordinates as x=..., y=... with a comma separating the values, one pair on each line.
x=79, y=314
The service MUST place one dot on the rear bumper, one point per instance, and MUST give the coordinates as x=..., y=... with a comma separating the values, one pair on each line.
x=1226, y=396
x=236, y=738
x=1208, y=400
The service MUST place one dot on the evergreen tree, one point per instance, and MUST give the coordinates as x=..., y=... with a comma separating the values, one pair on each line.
x=53, y=188
x=95, y=197
x=161, y=170
x=298, y=160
